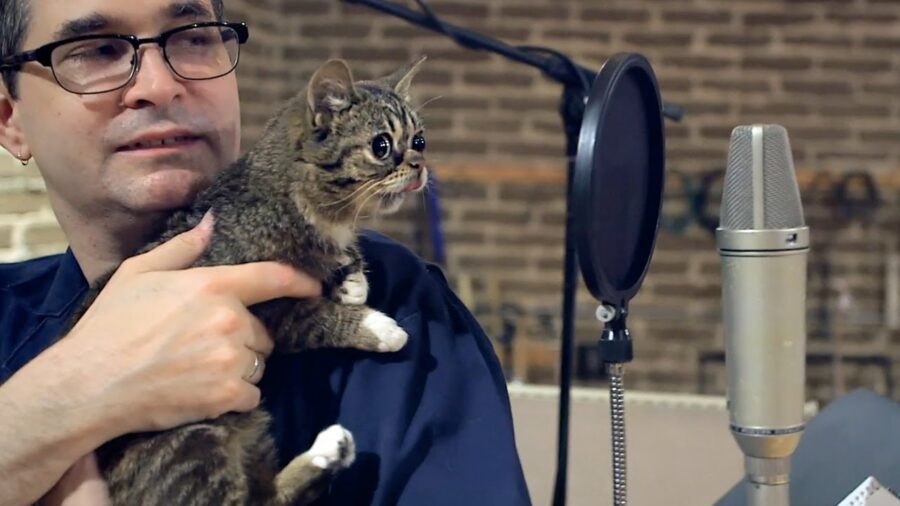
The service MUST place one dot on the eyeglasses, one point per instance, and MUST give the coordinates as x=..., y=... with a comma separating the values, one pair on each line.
x=91, y=64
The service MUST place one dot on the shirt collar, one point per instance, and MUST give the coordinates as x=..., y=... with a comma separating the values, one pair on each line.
x=67, y=286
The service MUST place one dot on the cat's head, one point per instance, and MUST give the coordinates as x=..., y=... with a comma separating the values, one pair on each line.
x=363, y=142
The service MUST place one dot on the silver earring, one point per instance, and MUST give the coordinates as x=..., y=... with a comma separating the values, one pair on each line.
x=23, y=161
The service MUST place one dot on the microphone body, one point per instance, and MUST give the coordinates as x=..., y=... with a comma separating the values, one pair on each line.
x=763, y=242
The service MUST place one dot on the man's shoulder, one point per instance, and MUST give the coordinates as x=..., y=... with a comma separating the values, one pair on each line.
x=376, y=244
x=26, y=272
x=381, y=251
x=400, y=282
x=28, y=311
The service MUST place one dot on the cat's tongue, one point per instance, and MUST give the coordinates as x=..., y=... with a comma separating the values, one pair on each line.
x=413, y=186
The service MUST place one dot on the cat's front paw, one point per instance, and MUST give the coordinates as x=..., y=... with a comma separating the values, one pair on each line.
x=354, y=289
x=333, y=449
x=391, y=337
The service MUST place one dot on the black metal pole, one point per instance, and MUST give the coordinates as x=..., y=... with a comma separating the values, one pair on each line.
x=552, y=67
x=570, y=275
x=572, y=111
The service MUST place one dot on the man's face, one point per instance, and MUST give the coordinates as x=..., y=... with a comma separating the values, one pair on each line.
x=89, y=147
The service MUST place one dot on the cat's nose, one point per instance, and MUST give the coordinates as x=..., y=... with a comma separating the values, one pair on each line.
x=416, y=161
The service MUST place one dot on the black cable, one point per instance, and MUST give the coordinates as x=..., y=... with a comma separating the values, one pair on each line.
x=442, y=27
x=573, y=68
x=439, y=23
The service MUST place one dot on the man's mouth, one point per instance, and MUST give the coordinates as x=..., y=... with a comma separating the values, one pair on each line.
x=174, y=141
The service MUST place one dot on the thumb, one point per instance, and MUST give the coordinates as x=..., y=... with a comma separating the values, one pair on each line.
x=178, y=252
x=81, y=485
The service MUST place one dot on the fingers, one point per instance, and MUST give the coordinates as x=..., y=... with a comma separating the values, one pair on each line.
x=248, y=398
x=257, y=282
x=256, y=369
x=259, y=340
x=176, y=253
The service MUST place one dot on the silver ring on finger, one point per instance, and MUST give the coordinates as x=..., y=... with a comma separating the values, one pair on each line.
x=256, y=371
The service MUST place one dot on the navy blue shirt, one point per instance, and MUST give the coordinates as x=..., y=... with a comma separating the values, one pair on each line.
x=432, y=422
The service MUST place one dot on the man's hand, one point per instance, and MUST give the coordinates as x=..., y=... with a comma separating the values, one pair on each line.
x=162, y=345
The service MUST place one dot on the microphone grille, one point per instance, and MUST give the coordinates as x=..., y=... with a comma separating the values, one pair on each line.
x=760, y=190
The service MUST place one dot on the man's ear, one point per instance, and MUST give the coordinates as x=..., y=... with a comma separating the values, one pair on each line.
x=330, y=91
x=11, y=135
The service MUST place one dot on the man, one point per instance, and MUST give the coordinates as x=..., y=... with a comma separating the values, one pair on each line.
x=164, y=344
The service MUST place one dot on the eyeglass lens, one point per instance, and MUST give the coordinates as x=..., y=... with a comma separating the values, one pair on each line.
x=104, y=64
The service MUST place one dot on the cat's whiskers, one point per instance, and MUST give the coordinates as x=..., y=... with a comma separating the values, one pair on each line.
x=353, y=194
x=373, y=186
x=360, y=208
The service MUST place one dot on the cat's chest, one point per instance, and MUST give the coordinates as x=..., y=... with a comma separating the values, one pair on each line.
x=342, y=237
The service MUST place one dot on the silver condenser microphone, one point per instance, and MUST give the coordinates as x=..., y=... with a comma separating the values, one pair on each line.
x=763, y=242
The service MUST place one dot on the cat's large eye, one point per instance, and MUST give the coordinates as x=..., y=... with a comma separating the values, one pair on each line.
x=418, y=143
x=382, y=145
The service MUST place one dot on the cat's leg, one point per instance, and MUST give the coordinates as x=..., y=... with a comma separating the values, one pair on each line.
x=306, y=477
x=300, y=324
x=354, y=288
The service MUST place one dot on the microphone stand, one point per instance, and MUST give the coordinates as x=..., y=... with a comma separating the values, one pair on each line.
x=576, y=81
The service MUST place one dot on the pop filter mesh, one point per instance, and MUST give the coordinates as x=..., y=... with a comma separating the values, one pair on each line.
x=621, y=191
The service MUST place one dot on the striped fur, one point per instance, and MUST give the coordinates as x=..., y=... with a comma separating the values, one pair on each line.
x=293, y=198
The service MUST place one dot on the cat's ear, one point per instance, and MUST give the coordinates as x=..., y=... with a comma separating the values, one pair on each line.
x=400, y=80
x=330, y=91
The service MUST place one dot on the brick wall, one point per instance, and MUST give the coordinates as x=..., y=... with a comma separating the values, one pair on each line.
x=826, y=70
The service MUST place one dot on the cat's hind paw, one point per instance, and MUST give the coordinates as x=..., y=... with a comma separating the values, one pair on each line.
x=333, y=449
x=354, y=289
x=391, y=337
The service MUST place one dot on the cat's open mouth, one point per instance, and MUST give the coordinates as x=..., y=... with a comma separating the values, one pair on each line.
x=413, y=185
x=391, y=200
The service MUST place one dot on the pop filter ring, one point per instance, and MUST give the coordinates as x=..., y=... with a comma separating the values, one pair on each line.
x=625, y=95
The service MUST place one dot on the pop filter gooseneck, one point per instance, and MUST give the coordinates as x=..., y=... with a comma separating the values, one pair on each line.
x=618, y=188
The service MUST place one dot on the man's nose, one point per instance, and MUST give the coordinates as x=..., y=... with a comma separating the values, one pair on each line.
x=153, y=83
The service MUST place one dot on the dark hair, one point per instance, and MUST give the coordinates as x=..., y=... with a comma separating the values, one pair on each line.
x=14, y=18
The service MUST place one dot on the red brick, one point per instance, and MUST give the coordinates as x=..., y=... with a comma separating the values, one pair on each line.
x=777, y=18
x=614, y=15
x=698, y=16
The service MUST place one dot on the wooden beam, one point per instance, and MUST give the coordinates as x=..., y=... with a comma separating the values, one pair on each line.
x=506, y=172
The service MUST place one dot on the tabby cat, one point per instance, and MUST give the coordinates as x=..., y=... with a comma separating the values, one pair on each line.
x=294, y=198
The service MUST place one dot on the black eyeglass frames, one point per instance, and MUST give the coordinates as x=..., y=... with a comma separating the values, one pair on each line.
x=100, y=63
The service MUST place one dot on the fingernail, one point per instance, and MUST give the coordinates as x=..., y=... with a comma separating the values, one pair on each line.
x=206, y=223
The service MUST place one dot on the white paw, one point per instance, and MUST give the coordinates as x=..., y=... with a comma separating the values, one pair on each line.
x=333, y=448
x=391, y=336
x=355, y=289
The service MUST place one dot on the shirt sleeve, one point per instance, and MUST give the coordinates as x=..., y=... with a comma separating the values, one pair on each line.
x=432, y=424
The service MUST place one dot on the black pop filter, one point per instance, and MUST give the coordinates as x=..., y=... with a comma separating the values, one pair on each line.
x=618, y=179
x=616, y=200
